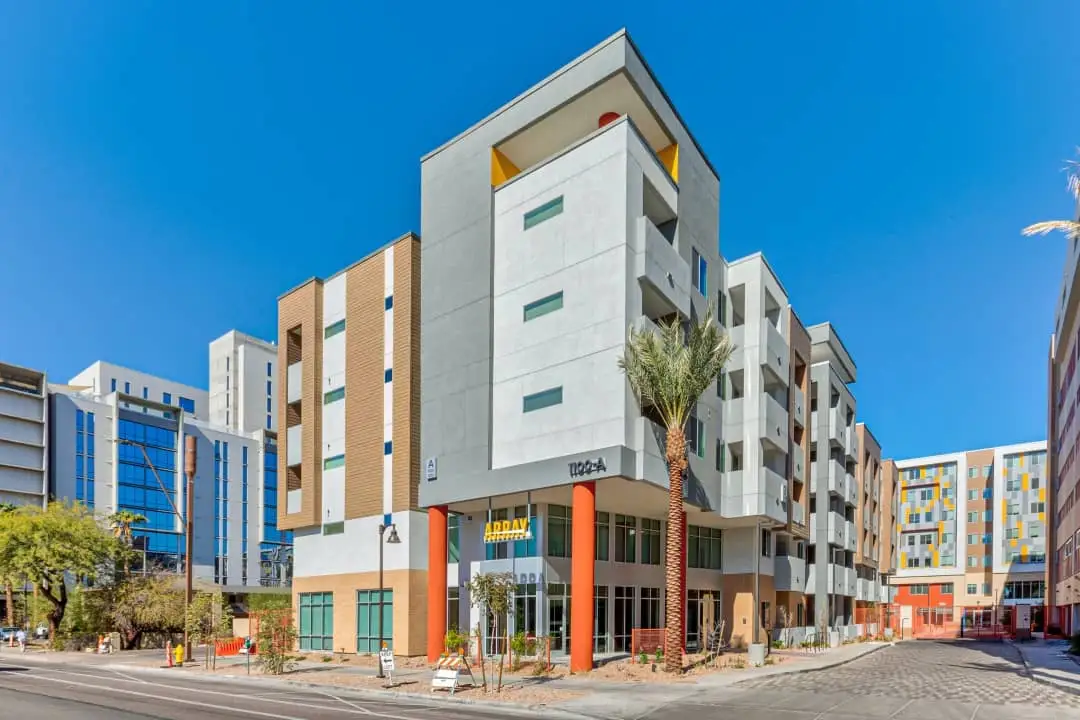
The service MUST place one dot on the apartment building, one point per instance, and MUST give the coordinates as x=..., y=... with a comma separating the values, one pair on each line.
x=243, y=383
x=116, y=451
x=24, y=441
x=972, y=534
x=582, y=207
x=1063, y=396
x=348, y=353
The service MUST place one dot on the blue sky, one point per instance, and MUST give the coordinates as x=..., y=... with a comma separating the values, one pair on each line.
x=168, y=169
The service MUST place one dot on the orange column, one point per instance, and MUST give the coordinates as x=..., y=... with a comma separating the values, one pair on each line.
x=582, y=577
x=437, y=557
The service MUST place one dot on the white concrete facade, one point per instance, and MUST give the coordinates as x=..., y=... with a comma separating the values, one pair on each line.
x=103, y=378
x=243, y=379
x=24, y=441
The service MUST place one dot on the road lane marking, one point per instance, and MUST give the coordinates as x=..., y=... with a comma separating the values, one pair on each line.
x=160, y=698
x=311, y=691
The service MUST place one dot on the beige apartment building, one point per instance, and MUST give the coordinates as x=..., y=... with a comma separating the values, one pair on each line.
x=349, y=454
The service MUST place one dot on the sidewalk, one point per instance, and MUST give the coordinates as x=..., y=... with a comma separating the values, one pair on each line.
x=1049, y=661
x=574, y=695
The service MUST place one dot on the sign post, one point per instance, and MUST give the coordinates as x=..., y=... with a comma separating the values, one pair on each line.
x=386, y=661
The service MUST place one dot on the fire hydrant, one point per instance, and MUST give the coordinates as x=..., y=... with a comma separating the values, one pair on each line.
x=178, y=655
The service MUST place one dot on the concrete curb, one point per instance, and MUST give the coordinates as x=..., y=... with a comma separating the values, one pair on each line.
x=781, y=670
x=439, y=699
x=1043, y=680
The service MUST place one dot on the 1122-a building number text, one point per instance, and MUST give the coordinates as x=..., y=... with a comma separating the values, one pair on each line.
x=587, y=467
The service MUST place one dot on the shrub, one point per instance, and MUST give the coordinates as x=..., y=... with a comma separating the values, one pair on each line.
x=456, y=641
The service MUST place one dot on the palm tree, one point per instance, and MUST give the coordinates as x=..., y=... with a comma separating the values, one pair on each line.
x=122, y=523
x=670, y=371
x=1071, y=228
x=9, y=586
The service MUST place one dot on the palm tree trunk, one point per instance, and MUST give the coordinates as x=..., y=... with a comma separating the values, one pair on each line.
x=673, y=600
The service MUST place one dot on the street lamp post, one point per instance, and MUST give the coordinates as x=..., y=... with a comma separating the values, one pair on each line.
x=393, y=539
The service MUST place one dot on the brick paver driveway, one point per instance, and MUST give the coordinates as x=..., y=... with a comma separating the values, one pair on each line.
x=917, y=680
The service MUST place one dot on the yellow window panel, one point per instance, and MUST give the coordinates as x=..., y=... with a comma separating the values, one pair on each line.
x=922, y=472
x=1023, y=552
x=1042, y=494
x=1020, y=528
x=903, y=559
x=1025, y=484
x=1021, y=461
x=935, y=559
x=1013, y=543
x=941, y=527
x=1042, y=517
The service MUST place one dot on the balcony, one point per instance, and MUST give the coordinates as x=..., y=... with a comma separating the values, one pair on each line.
x=773, y=425
x=798, y=514
x=798, y=405
x=851, y=442
x=733, y=413
x=775, y=351
x=294, y=381
x=837, y=527
x=293, y=500
x=790, y=573
x=848, y=582
x=650, y=439
x=798, y=463
x=293, y=438
x=851, y=537
x=775, y=494
x=833, y=482
x=851, y=489
x=659, y=265
x=836, y=426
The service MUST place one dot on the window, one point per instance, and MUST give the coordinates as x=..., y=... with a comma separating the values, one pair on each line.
x=497, y=550
x=695, y=436
x=334, y=395
x=542, y=399
x=453, y=538
x=911, y=540
x=720, y=455
x=388, y=375
x=971, y=472
x=721, y=385
x=367, y=620
x=186, y=405
x=543, y=306
x=946, y=588
x=334, y=462
x=334, y=528
x=703, y=547
x=699, y=268
x=946, y=538
x=1034, y=530
x=558, y=530
x=988, y=560
x=127, y=388
x=766, y=543
x=1013, y=509
x=1034, y=483
x=986, y=470
x=972, y=588
x=1024, y=590
x=603, y=535
x=926, y=539
x=145, y=393
x=269, y=404
x=650, y=541
x=928, y=516
x=625, y=541
x=986, y=589
x=927, y=494
x=331, y=330
x=973, y=494
x=545, y=212
x=1012, y=485
x=988, y=493
x=973, y=539
x=269, y=369
x=269, y=422
x=316, y=621
x=112, y=385
x=1012, y=533
x=388, y=447
x=973, y=516
x=1038, y=507
x=921, y=589
x=269, y=387
x=388, y=302
x=972, y=561
x=988, y=515
x=527, y=547
x=166, y=398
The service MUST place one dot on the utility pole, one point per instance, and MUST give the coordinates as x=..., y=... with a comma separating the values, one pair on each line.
x=190, y=451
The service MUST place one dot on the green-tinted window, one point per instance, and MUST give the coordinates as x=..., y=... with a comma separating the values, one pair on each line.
x=367, y=620
x=545, y=212
x=316, y=621
x=453, y=533
x=334, y=396
x=603, y=535
x=333, y=462
x=543, y=306
x=334, y=328
x=559, y=530
x=720, y=455
x=334, y=528
x=650, y=541
x=542, y=399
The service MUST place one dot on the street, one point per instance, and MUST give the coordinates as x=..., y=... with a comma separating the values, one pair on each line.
x=920, y=680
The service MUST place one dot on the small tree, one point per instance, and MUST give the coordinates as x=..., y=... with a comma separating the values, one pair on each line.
x=275, y=637
x=493, y=594
x=783, y=619
x=138, y=605
x=6, y=575
x=122, y=523
x=209, y=618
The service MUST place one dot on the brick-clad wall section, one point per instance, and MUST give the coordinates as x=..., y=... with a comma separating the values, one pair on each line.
x=406, y=374
x=800, y=356
x=364, y=314
x=301, y=308
x=865, y=476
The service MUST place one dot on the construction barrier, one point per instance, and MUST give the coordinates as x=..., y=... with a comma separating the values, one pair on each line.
x=225, y=648
x=646, y=640
x=449, y=672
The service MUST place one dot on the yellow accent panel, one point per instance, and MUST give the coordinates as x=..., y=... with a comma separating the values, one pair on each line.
x=1021, y=461
x=1020, y=528
x=936, y=494
x=1013, y=543
x=669, y=156
x=922, y=472
x=1023, y=553
x=1004, y=510
x=1025, y=483
x=1042, y=517
x=935, y=559
x=941, y=527
x=903, y=559
x=501, y=168
x=1042, y=494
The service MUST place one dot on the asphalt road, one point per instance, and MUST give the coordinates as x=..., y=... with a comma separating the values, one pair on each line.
x=59, y=692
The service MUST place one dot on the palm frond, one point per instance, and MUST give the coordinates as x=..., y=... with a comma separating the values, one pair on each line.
x=670, y=369
x=1071, y=228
